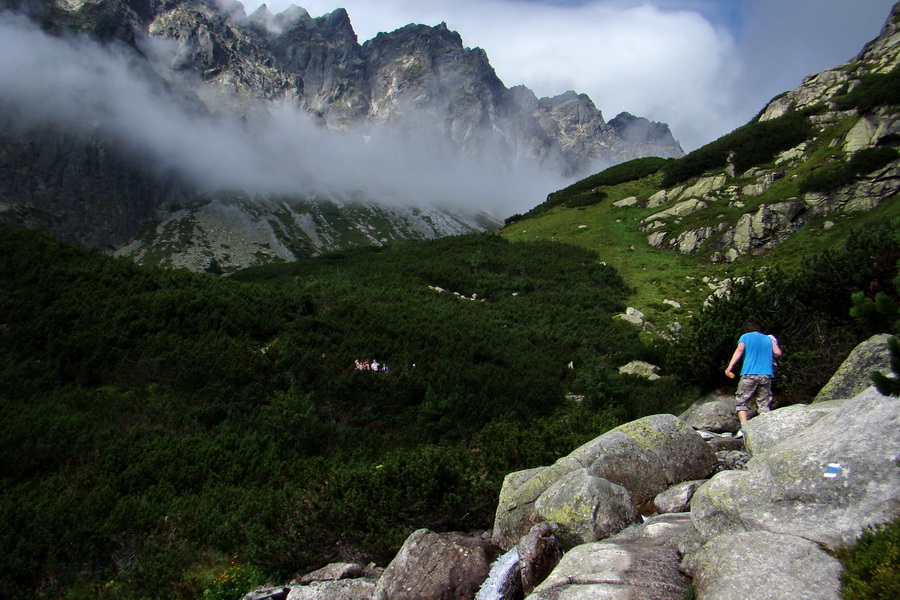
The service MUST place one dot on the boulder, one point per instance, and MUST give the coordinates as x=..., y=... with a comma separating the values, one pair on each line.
x=657, y=199
x=769, y=429
x=725, y=442
x=690, y=241
x=268, y=593
x=764, y=228
x=333, y=572
x=645, y=457
x=640, y=368
x=713, y=412
x=677, y=498
x=641, y=562
x=539, y=553
x=632, y=318
x=681, y=209
x=852, y=377
x=515, y=514
x=586, y=508
x=624, y=202
x=445, y=566
x=826, y=483
x=760, y=565
x=345, y=589
x=704, y=186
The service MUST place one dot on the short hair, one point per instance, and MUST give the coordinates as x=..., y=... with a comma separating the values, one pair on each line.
x=751, y=326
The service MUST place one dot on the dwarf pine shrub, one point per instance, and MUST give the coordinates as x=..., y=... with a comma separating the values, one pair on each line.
x=872, y=565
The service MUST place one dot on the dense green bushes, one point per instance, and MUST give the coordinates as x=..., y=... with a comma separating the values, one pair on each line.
x=161, y=432
x=587, y=191
x=756, y=143
x=631, y=170
x=872, y=565
x=873, y=90
x=840, y=173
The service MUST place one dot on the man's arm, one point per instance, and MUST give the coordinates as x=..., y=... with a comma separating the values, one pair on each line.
x=738, y=353
x=776, y=349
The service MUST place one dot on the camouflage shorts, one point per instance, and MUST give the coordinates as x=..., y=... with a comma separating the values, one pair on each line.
x=754, y=387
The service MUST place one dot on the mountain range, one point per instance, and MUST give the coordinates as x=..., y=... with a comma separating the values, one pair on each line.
x=195, y=135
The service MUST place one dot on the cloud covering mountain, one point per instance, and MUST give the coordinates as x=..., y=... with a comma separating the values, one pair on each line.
x=87, y=88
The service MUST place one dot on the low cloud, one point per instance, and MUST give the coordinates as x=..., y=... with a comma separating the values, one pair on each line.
x=85, y=88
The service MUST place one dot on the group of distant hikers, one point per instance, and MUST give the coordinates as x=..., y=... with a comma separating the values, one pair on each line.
x=371, y=365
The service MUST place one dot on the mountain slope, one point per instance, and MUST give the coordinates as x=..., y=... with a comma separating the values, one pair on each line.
x=817, y=163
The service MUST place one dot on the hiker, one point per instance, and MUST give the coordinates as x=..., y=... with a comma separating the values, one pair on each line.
x=759, y=352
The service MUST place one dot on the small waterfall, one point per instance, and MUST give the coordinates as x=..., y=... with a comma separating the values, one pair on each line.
x=504, y=581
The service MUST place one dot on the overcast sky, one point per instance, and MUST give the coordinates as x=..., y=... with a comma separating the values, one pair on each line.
x=704, y=67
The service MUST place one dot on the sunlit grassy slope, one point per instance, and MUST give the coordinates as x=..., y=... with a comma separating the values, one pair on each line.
x=586, y=215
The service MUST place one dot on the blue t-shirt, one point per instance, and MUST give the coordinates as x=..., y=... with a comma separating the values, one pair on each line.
x=757, y=354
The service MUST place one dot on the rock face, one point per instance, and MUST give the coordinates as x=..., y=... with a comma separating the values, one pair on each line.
x=417, y=81
x=234, y=233
x=73, y=187
x=645, y=457
x=844, y=464
x=853, y=375
x=440, y=566
x=641, y=562
x=782, y=566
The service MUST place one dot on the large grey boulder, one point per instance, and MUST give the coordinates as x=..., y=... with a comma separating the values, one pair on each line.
x=362, y=588
x=852, y=377
x=586, y=508
x=645, y=457
x=677, y=498
x=446, y=566
x=769, y=429
x=827, y=483
x=765, y=228
x=760, y=565
x=640, y=562
x=333, y=572
x=539, y=553
x=713, y=412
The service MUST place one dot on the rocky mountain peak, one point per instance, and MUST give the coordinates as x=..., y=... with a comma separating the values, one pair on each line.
x=418, y=69
x=578, y=106
x=880, y=56
x=883, y=50
x=208, y=57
